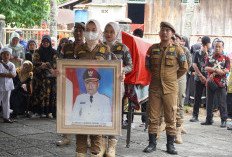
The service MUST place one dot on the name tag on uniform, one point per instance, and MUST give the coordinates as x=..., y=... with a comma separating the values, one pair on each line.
x=171, y=53
x=82, y=102
x=156, y=51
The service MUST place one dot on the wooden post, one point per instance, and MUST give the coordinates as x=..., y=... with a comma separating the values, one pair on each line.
x=53, y=19
x=2, y=30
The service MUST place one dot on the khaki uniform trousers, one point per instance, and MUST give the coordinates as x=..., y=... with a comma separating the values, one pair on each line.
x=81, y=143
x=157, y=101
x=180, y=102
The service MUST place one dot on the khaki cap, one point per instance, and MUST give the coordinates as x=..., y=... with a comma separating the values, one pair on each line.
x=166, y=24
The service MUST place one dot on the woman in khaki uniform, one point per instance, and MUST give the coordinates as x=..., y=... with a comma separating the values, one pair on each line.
x=112, y=36
x=92, y=49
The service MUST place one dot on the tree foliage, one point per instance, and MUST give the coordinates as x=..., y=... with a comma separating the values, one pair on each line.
x=24, y=13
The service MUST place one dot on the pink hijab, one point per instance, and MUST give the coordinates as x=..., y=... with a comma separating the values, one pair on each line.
x=92, y=43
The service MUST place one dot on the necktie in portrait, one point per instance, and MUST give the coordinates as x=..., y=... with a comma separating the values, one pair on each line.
x=91, y=98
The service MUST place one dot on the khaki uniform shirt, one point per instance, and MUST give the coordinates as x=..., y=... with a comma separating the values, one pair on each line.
x=123, y=53
x=166, y=66
x=68, y=51
x=100, y=52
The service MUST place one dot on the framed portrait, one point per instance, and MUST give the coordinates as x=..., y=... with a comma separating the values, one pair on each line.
x=89, y=97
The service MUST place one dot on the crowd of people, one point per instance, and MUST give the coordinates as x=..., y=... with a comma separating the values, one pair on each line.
x=178, y=76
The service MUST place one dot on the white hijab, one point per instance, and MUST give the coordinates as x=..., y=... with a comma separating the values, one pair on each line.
x=92, y=43
x=118, y=34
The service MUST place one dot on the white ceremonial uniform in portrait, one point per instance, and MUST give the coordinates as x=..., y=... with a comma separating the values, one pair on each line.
x=6, y=85
x=97, y=111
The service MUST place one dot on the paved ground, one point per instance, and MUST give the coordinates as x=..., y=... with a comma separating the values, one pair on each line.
x=37, y=137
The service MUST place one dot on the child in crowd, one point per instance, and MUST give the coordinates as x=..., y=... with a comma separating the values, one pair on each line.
x=7, y=72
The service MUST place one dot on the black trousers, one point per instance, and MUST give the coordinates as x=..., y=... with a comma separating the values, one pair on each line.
x=143, y=109
x=229, y=104
x=199, y=88
x=221, y=94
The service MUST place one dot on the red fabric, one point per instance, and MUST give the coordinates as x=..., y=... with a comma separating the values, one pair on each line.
x=138, y=49
x=71, y=74
x=135, y=26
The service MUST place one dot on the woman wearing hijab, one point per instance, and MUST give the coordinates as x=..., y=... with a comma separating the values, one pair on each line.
x=44, y=83
x=93, y=49
x=185, y=42
x=18, y=50
x=190, y=78
x=31, y=47
x=22, y=84
x=63, y=42
x=113, y=39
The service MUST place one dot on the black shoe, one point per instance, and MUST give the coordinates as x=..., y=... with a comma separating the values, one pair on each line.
x=223, y=124
x=207, y=122
x=7, y=120
x=152, y=144
x=229, y=128
x=170, y=144
x=194, y=119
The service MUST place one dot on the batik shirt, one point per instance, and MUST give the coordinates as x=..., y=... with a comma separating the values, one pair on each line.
x=199, y=59
x=221, y=62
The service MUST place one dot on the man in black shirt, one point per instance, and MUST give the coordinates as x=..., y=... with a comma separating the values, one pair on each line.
x=200, y=76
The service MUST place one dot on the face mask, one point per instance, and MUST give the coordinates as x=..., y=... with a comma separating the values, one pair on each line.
x=91, y=35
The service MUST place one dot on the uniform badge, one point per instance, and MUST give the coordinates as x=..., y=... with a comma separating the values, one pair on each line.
x=182, y=57
x=119, y=48
x=172, y=49
x=102, y=50
x=90, y=73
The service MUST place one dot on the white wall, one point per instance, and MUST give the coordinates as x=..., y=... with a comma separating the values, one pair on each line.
x=106, y=13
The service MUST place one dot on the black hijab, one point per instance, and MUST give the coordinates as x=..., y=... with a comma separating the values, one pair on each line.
x=46, y=53
x=186, y=42
x=59, y=47
x=28, y=43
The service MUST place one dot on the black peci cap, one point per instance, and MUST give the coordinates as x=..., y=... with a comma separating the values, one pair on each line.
x=79, y=25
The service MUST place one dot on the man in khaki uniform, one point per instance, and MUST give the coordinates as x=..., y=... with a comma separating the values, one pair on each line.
x=181, y=93
x=68, y=53
x=167, y=63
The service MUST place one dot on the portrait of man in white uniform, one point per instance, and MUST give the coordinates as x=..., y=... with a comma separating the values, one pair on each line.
x=92, y=107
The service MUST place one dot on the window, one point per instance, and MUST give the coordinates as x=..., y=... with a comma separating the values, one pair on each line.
x=185, y=1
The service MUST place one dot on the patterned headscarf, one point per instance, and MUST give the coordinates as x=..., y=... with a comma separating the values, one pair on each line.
x=24, y=76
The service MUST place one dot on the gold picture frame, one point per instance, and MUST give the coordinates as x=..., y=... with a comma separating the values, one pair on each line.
x=76, y=113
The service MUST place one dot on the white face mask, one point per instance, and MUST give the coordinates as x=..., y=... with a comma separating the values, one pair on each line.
x=91, y=35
